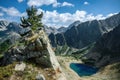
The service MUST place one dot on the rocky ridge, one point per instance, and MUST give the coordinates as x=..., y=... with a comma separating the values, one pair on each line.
x=107, y=49
x=36, y=48
x=80, y=35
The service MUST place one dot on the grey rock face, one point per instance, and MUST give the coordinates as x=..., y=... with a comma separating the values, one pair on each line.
x=76, y=23
x=61, y=39
x=83, y=35
x=61, y=29
x=53, y=40
x=106, y=49
x=36, y=51
x=80, y=35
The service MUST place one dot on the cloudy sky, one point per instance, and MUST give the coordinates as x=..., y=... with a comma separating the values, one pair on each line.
x=59, y=13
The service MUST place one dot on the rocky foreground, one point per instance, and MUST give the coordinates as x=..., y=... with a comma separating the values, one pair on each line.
x=34, y=49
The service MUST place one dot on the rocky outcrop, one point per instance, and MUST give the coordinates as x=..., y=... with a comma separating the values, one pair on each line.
x=36, y=50
x=80, y=35
x=106, y=49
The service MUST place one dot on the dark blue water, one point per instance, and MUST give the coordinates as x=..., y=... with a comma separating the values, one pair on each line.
x=82, y=69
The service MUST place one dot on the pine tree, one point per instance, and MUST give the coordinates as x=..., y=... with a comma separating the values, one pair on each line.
x=33, y=19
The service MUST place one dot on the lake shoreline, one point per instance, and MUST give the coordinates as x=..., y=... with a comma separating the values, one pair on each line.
x=83, y=70
x=65, y=63
x=70, y=74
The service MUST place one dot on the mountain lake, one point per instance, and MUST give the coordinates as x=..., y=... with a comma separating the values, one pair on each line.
x=83, y=70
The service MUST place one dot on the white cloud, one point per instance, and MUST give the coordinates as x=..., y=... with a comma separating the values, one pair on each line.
x=54, y=3
x=99, y=17
x=90, y=17
x=1, y=14
x=67, y=4
x=55, y=19
x=111, y=14
x=11, y=14
x=41, y=2
x=20, y=1
x=57, y=4
x=86, y=3
x=12, y=11
x=39, y=11
x=10, y=18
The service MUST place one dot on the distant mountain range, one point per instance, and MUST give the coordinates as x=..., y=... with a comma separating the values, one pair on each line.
x=9, y=31
x=54, y=30
x=79, y=35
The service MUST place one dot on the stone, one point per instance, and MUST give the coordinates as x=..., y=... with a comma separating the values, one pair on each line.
x=20, y=67
x=40, y=77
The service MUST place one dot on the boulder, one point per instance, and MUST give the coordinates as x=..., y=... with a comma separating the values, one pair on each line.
x=36, y=50
x=20, y=67
x=40, y=77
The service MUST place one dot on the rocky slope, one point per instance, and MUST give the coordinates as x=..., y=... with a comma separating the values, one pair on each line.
x=36, y=49
x=80, y=35
x=107, y=49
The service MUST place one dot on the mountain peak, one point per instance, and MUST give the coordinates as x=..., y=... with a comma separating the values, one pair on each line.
x=3, y=25
x=76, y=23
x=79, y=35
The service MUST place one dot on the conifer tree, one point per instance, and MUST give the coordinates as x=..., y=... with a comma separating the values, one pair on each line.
x=33, y=19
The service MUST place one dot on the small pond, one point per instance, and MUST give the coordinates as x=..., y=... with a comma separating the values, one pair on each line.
x=82, y=69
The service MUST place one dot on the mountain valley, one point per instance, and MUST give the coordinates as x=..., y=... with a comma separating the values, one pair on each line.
x=46, y=53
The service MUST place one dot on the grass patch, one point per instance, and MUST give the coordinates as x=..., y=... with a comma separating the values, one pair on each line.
x=6, y=71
